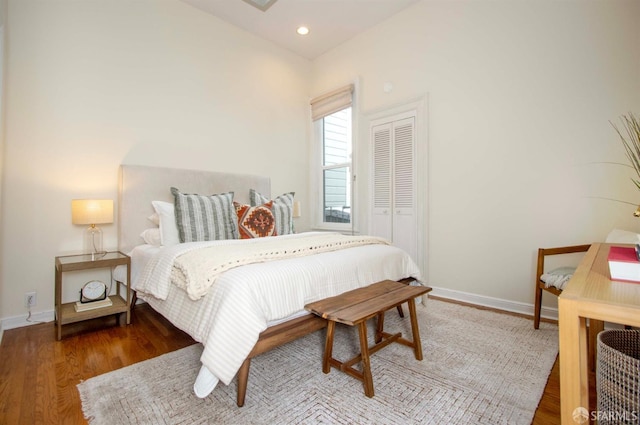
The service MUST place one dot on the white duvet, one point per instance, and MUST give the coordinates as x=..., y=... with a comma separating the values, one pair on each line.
x=238, y=306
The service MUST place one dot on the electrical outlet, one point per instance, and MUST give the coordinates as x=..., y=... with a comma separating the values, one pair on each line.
x=30, y=299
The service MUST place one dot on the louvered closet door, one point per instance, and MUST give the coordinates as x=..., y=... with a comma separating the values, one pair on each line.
x=381, y=223
x=404, y=203
x=394, y=203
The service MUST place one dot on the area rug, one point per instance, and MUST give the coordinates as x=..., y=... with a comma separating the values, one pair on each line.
x=479, y=367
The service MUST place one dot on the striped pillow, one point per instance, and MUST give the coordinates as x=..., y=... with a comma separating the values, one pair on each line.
x=282, y=210
x=205, y=218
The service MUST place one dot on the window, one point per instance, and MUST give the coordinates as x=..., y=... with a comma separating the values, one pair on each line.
x=332, y=115
x=336, y=167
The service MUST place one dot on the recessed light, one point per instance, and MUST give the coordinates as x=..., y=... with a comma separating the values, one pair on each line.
x=302, y=30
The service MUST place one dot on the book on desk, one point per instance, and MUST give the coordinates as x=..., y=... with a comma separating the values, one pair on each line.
x=624, y=264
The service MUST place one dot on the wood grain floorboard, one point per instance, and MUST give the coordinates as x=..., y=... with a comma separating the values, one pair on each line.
x=38, y=375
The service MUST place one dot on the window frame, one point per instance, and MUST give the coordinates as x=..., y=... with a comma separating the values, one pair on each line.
x=317, y=177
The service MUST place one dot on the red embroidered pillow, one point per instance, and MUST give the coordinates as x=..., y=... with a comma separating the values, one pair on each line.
x=255, y=222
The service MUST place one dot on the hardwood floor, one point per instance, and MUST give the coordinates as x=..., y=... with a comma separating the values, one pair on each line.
x=38, y=375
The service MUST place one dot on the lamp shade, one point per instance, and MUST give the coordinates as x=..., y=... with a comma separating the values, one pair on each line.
x=91, y=211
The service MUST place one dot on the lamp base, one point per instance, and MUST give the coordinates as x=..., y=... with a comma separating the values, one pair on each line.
x=93, y=241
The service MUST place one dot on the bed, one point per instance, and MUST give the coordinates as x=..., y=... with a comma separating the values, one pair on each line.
x=241, y=311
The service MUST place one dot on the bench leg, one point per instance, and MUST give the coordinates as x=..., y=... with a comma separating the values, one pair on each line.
x=367, y=380
x=379, y=327
x=417, y=345
x=328, y=347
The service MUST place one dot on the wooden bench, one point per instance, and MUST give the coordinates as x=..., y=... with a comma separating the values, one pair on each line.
x=355, y=308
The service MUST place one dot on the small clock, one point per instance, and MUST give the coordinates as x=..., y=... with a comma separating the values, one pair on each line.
x=94, y=290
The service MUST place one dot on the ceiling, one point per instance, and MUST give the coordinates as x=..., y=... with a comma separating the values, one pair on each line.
x=331, y=22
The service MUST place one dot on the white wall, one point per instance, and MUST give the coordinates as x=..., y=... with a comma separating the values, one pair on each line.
x=94, y=84
x=520, y=94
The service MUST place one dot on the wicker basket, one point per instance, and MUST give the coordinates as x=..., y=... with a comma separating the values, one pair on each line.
x=618, y=377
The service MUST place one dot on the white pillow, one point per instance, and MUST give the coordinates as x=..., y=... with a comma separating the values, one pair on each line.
x=168, y=229
x=152, y=236
x=558, y=277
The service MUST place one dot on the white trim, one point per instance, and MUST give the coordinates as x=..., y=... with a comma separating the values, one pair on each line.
x=503, y=305
x=497, y=303
x=20, y=321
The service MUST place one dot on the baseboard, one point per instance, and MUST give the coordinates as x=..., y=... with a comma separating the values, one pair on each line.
x=20, y=321
x=491, y=302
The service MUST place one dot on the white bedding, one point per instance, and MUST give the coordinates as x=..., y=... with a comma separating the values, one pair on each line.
x=140, y=256
x=243, y=300
x=195, y=267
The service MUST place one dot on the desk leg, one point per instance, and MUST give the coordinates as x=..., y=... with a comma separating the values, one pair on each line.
x=595, y=327
x=574, y=383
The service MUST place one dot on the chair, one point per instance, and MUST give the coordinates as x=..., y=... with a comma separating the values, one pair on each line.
x=563, y=274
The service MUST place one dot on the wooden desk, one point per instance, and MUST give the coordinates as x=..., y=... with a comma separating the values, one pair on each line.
x=590, y=294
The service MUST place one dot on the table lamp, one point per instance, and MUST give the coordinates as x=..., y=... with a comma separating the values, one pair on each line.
x=297, y=209
x=92, y=212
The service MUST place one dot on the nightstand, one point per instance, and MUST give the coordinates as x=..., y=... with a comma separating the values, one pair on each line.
x=66, y=313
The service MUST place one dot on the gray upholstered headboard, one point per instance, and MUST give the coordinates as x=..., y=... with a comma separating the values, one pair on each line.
x=138, y=185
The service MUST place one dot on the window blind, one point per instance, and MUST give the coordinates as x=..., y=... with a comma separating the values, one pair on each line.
x=331, y=102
